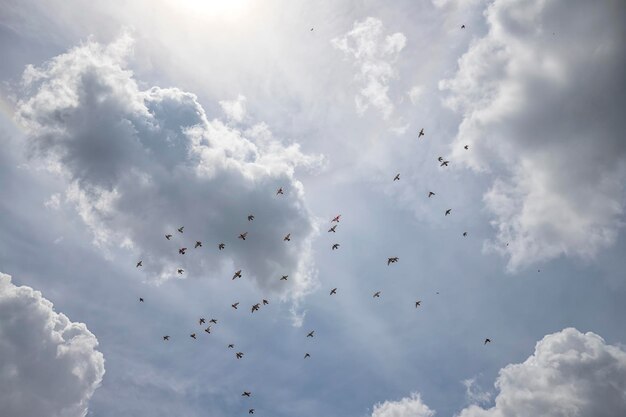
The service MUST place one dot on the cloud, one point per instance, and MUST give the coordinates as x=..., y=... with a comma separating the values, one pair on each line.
x=411, y=406
x=141, y=163
x=49, y=366
x=374, y=56
x=235, y=109
x=473, y=394
x=54, y=202
x=570, y=374
x=541, y=95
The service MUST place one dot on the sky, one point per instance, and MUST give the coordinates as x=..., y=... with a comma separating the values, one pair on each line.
x=120, y=124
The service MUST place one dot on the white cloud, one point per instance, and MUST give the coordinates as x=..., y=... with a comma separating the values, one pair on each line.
x=235, y=109
x=570, y=374
x=411, y=406
x=374, y=56
x=141, y=163
x=49, y=366
x=54, y=202
x=540, y=96
x=473, y=394
x=415, y=93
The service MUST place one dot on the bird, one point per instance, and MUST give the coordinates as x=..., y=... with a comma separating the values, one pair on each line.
x=336, y=246
x=287, y=238
x=333, y=291
x=234, y=305
x=251, y=411
x=239, y=355
x=140, y=300
x=448, y=211
x=208, y=330
x=182, y=251
x=245, y=394
x=250, y=217
x=180, y=229
x=332, y=229
x=310, y=333
x=243, y=236
x=376, y=294
x=180, y=270
x=198, y=244
x=279, y=191
x=392, y=260
x=192, y=335
x=201, y=321
x=464, y=233
x=430, y=194
x=418, y=303
x=462, y=26
x=397, y=177
x=284, y=277
x=306, y=355
x=255, y=307
x=444, y=163
x=421, y=133
x=265, y=302
x=221, y=246
x=336, y=219
x=440, y=159
x=139, y=264
x=213, y=321
x=487, y=341
x=466, y=147
x=168, y=237
x=231, y=346
x=166, y=338
x=311, y=29
x=237, y=274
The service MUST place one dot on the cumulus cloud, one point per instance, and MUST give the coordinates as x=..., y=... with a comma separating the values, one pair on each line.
x=235, y=109
x=542, y=97
x=141, y=163
x=49, y=366
x=411, y=406
x=473, y=393
x=570, y=374
x=374, y=56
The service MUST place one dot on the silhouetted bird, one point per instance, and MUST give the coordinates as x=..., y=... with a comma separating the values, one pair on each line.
x=251, y=411
x=221, y=246
x=464, y=233
x=430, y=194
x=237, y=274
x=310, y=333
x=284, y=277
x=444, y=163
x=168, y=237
x=333, y=291
x=279, y=191
x=180, y=270
x=245, y=394
x=336, y=246
x=243, y=236
x=397, y=177
x=180, y=229
x=234, y=305
x=287, y=238
x=198, y=244
x=140, y=300
x=392, y=260
x=462, y=26
x=182, y=251
x=306, y=355
x=192, y=335
x=255, y=307
x=336, y=219
x=487, y=341
x=448, y=211
x=250, y=218
x=201, y=321
x=265, y=302
x=139, y=264
x=418, y=303
x=231, y=346
x=376, y=294
x=166, y=338
x=466, y=146
x=332, y=229
x=208, y=330
x=239, y=355
x=213, y=321
x=421, y=133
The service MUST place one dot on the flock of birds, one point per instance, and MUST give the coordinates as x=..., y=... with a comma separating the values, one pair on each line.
x=287, y=238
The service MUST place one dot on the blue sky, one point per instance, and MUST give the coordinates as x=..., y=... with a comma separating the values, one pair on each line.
x=119, y=125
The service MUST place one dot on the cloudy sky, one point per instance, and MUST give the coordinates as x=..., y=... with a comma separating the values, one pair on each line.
x=119, y=125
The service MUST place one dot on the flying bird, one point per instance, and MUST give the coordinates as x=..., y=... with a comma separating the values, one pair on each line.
x=418, y=303
x=448, y=211
x=462, y=26
x=237, y=274
x=234, y=305
x=198, y=244
x=140, y=300
x=392, y=260
x=336, y=219
x=239, y=355
x=231, y=346
x=265, y=302
x=487, y=341
x=250, y=217
x=333, y=291
x=306, y=355
x=255, y=307
x=139, y=264
x=464, y=233
x=421, y=133
x=332, y=229
x=287, y=238
x=310, y=333
x=243, y=236
x=466, y=146
x=180, y=229
x=279, y=191
x=251, y=411
x=221, y=246
x=182, y=251
x=166, y=338
x=376, y=294
x=430, y=194
x=180, y=270
x=192, y=335
x=213, y=321
x=397, y=177
x=284, y=277
x=444, y=163
x=208, y=330
x=201, y=321
x=168, y=237
x=245, y=394
x=336, y=246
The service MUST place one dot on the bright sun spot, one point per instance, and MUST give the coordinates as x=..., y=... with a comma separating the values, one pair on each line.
x=214, y=8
